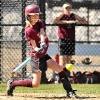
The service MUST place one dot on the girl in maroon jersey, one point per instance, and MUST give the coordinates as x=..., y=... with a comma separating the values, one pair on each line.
x=38, y=40
x=66, y=34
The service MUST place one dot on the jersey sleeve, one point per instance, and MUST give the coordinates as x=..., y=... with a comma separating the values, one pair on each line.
x=42, y=25
x=28, y=34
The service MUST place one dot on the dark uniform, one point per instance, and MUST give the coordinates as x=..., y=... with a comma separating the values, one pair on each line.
x=66, y=36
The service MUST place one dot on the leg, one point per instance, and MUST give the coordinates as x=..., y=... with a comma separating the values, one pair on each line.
x=63, y=61
x=56, y=67
x=68, y=59
x=43, y=77
x=11, y=84
x=66, y=50
x=66, y=84
x=36, y=79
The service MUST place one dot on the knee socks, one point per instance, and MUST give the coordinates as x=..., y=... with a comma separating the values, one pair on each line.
x=67, y=72
x=26, y=83
x=65, y=81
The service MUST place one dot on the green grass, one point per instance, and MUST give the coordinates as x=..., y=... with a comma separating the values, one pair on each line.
x=56, y=88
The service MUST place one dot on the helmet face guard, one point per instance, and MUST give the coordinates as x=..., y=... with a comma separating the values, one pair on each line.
x=32, y=10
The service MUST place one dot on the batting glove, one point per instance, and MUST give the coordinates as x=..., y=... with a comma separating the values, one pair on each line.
x=39, y=51
x=43, y=44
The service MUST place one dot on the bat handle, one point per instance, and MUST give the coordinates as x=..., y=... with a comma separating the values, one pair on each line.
x=39, y=51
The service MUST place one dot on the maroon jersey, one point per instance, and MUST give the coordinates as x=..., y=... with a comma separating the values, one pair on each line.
x=67, y=32
x=33, y=33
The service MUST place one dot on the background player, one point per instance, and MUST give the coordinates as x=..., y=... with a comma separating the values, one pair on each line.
x=38, y=40
x=66, y=34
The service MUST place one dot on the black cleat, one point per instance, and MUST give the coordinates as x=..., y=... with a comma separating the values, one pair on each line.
x=72, y=94
x=10, y=88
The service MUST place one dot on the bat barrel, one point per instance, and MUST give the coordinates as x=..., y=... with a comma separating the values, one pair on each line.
x=25, y=62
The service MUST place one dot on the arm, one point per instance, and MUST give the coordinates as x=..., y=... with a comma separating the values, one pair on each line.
x=42, y=42
x=34, y=45
x=80, y=20
x=42, y=35
x=58, y=21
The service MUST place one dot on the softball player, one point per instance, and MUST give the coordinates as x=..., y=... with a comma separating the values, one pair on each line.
x=66, y=34
x=37, y=38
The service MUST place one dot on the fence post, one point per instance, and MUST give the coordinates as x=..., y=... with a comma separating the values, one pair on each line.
x=41, y=4
x=42, y=9
x=88, y=26
x=23, y=38
x=0, y=46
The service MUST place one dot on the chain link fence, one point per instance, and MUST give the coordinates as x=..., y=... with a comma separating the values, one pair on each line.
x=14, y=49
x=87, y=36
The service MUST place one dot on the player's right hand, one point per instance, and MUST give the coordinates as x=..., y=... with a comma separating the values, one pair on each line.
x=41, y=50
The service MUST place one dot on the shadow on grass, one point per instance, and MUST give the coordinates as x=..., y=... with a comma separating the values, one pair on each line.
x=49, y=98
x=63, y=97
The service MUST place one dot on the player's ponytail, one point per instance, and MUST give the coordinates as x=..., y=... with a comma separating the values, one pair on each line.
x=28, y=24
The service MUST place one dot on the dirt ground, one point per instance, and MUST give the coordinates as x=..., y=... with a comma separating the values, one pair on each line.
x=41, y=96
